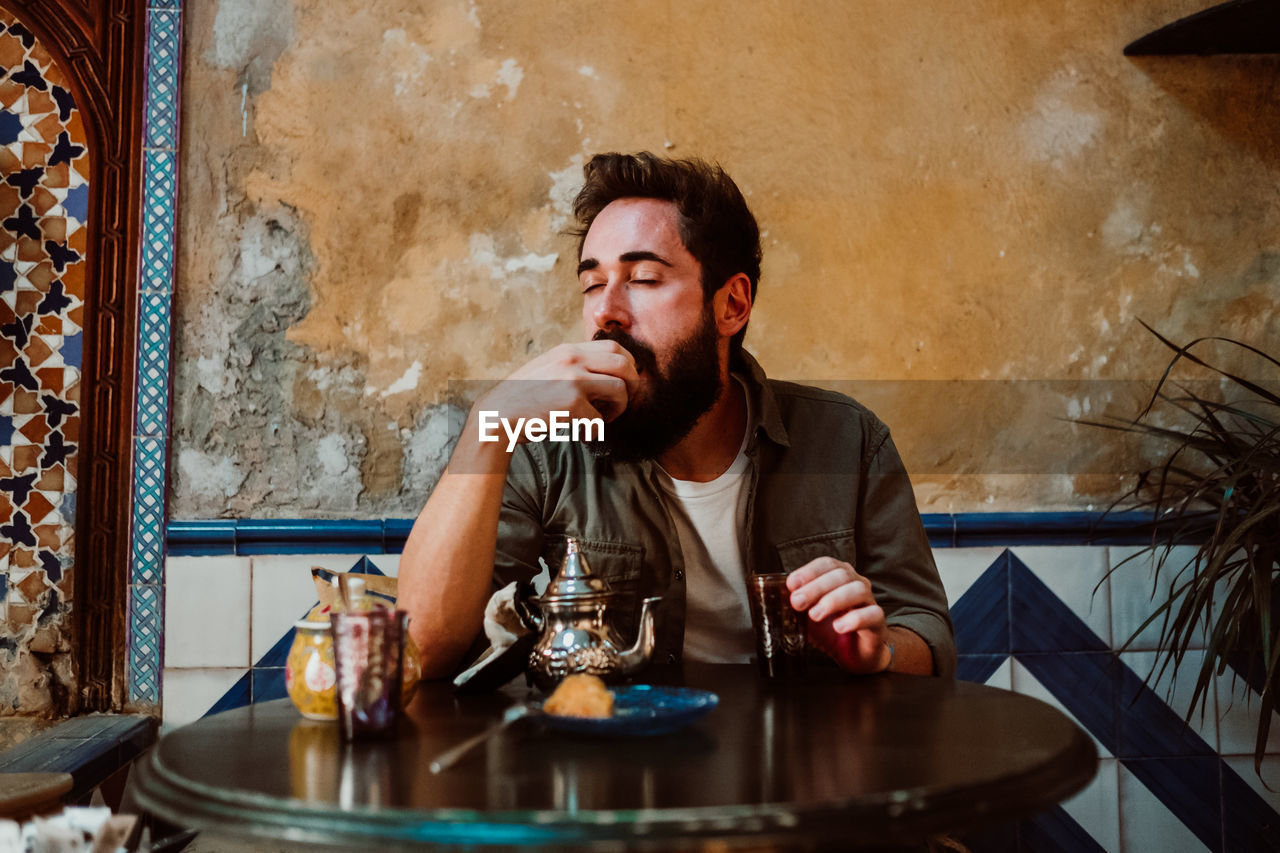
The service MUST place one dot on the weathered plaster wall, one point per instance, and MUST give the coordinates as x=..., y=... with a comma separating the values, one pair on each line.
x=374, y=195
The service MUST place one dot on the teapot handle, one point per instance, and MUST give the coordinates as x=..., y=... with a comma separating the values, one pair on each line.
x=526, y=605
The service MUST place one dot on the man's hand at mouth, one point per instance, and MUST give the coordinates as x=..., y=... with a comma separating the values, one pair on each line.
x=449, y=556
x=593, y=379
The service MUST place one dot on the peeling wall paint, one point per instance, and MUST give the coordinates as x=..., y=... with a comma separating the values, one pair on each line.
x=375, y=199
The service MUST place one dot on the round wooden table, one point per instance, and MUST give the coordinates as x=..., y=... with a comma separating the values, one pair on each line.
x=831, y=761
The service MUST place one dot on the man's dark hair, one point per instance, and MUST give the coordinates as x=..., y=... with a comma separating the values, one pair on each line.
x=713, y=219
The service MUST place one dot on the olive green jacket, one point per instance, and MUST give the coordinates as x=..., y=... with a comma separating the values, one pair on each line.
x=826, y=480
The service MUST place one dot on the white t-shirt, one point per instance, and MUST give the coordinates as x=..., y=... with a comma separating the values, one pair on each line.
x=710, y=519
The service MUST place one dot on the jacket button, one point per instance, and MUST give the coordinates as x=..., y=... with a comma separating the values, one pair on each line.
x=671, y=658
x=679, y=574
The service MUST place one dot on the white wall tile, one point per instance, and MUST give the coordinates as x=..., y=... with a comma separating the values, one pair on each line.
x=283, y=592
x=206, y=612
x=388, y=564
x=190, y=693
x=1131, y=594
x=1097, y=807
x=1146, y=825
x=1078, y=576
x=1175, y=688
x=1027, y=684
x=1003, y=676
x=1238, y=709
x=960, y=567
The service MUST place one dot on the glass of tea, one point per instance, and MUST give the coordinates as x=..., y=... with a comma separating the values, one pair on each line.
x=780, y=628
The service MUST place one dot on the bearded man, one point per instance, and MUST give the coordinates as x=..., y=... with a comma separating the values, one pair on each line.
x=708, y=472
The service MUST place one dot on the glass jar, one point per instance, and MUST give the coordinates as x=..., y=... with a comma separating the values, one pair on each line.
x=308, y=672
x=310, y=679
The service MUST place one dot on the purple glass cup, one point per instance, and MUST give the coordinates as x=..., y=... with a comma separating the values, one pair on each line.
x=368, y=654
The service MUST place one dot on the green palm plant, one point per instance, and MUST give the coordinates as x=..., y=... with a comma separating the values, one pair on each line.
x=1218, y=490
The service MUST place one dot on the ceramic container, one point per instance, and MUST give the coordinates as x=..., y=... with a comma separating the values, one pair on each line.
x=309, y=674
x=310, y=678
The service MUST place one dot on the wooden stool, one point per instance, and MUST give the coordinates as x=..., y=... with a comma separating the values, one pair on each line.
x=87, y=750
x=25, y=794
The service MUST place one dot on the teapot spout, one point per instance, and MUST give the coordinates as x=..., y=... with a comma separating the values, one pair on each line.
x=640, y=652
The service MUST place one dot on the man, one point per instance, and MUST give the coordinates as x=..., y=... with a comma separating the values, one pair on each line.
x=708, y=470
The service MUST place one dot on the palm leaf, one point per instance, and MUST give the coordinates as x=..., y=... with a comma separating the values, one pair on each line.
x=1217, y=487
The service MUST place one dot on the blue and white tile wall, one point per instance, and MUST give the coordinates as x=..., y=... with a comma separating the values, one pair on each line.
x=230, y=624
x=155, y=295
x=1040, y=620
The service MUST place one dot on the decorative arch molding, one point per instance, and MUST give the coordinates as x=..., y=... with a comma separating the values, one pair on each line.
x=100, y=47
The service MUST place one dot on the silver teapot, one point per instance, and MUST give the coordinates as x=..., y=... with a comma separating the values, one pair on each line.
x=575, y=636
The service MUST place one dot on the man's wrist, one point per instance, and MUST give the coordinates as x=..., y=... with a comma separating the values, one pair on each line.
x=888, y=645
x=472, y=456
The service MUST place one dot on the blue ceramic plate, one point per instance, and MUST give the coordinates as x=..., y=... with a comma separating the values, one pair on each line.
x=640, y=710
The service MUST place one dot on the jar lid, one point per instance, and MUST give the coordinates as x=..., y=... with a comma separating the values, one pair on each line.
x=575, y=579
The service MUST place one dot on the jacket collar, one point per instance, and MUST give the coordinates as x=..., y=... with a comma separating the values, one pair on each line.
x=765, y=413
x=764, y=405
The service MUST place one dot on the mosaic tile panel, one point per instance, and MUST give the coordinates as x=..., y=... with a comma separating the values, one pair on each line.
x=159, y=193
x=148, y=509
x=44, y=204
x=163, y=32
x=153, y=365
x=160, y=188
x=145, y=641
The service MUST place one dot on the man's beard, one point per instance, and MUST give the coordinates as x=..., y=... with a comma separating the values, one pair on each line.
x=675, y=400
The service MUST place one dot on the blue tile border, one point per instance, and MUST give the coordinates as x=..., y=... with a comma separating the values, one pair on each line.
x=975, y=529
x=146, y=603
x=159, y=218
x=151, y=406
x=148, y=510
x=154, y=328
x=164, y=30
x=202, y=537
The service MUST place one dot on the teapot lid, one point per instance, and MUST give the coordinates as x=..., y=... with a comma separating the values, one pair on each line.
x=575, y=578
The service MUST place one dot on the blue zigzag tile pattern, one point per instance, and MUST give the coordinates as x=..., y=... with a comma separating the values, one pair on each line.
x=1009, y=608
x=265, y=681
x=1010, y=613
x=151, y=418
